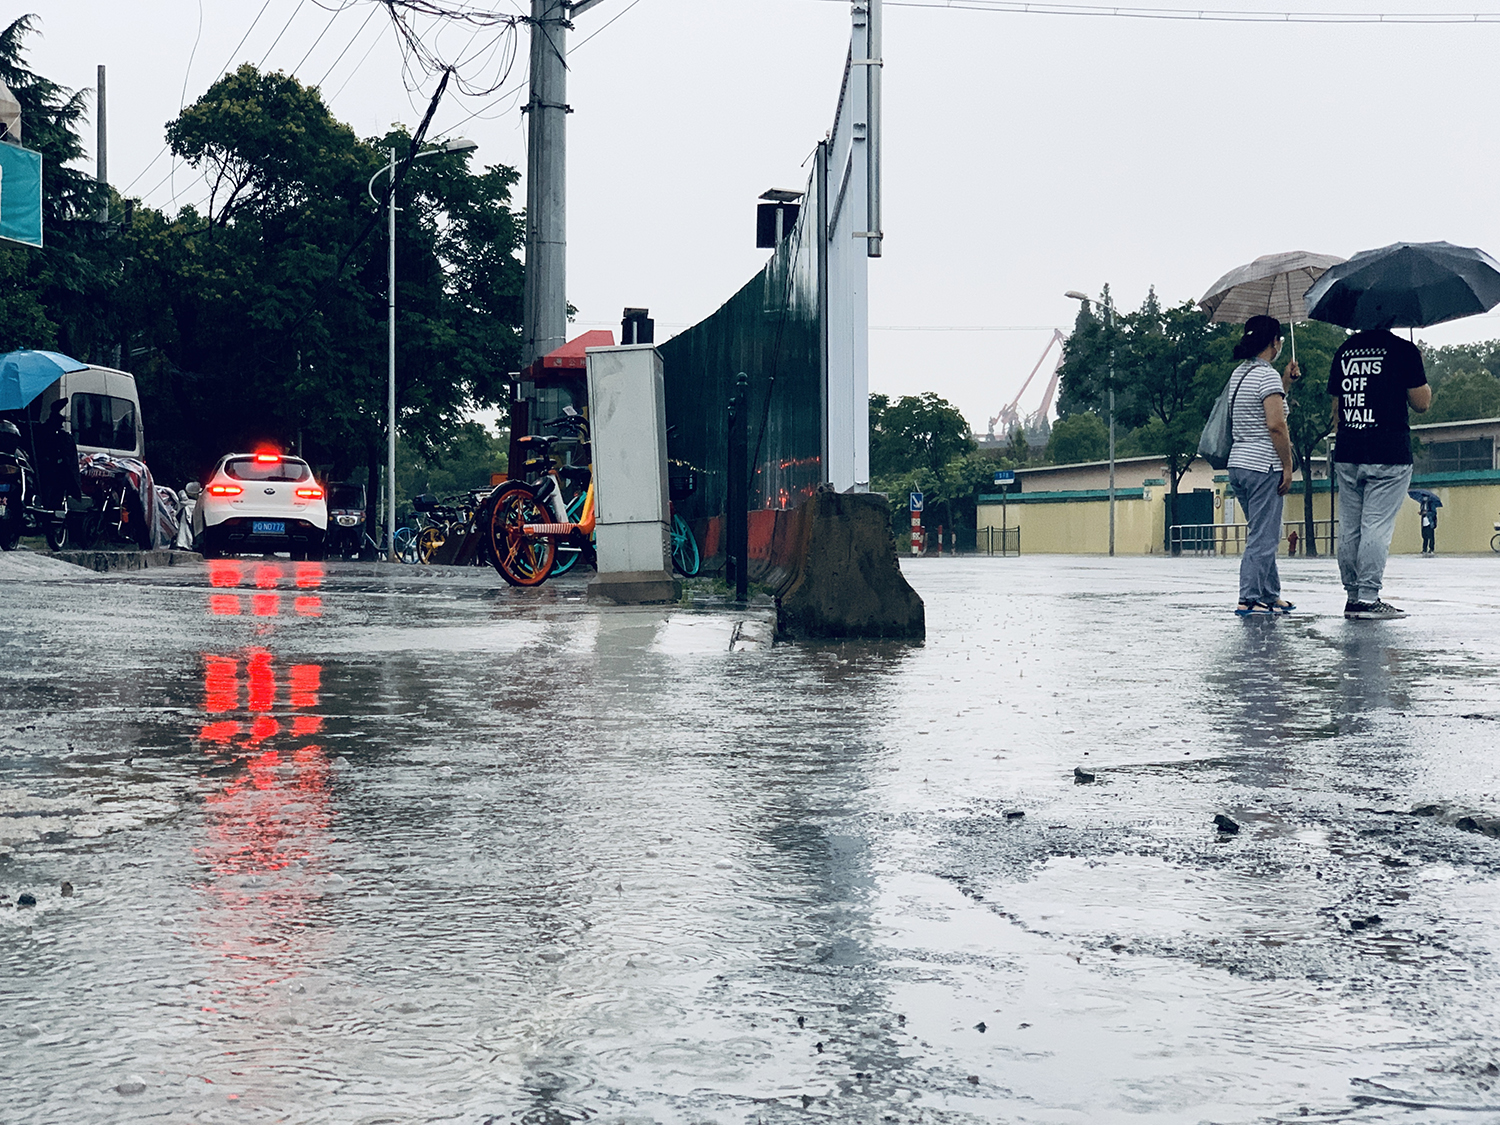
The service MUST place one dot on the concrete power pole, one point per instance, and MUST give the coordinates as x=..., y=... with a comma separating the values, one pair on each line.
x=545, y=299
x=101, y=147
x=544, y=314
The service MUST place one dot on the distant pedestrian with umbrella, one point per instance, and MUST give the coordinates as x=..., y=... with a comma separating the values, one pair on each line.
x=1376, y=376
x=1428, y=504
x=1260, y=461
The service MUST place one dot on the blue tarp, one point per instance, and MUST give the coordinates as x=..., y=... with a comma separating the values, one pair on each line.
x=26, y=374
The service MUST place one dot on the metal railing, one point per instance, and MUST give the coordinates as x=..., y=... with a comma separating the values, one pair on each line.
x=1229, y=538
x=1002, y=541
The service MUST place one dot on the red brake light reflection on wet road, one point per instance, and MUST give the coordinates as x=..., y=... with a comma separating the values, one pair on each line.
x=224, y=573
x=224, y=605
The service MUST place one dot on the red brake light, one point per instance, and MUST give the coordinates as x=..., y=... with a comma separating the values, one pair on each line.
x=310, y=493
x=224, y=490
x=267, y=458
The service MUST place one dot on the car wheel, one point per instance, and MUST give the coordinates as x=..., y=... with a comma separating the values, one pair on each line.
x=315, y=551
x=10, y=535
x=208, y=543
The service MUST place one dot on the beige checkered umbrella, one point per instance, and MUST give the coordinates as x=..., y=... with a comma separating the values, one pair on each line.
x=1272, y=285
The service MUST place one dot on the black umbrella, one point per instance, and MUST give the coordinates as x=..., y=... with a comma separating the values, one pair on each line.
x=1406, y=285
x=1425, y=495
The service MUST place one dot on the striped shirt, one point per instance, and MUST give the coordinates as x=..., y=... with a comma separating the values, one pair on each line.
x=1257, y=381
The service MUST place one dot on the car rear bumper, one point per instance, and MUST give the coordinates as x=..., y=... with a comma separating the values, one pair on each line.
x=240, y=531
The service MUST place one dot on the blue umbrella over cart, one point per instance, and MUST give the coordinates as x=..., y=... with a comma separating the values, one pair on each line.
x=26, y=374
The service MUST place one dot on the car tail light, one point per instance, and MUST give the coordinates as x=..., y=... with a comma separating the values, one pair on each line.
x=267, y=458
x=310, y=493
x=224, y=490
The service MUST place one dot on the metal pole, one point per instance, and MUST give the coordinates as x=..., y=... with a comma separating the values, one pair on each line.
x=101, y=148
x=390, y=316
x=737, y=506
x=1109, y=311
x=544, y=299
x=874, y=45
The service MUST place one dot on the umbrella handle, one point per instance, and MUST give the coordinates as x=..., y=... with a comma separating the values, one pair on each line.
x=1294, y=341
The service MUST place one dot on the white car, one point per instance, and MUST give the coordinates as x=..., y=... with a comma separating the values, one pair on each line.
x=258, y=503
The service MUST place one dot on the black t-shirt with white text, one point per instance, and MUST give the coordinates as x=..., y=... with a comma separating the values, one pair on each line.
x=1372, y=371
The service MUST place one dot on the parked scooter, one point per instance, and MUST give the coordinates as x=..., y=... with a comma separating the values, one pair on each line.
x=23, y=502
x=17, y=486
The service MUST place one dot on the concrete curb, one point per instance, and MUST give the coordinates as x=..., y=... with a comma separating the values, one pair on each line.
x=106, y=561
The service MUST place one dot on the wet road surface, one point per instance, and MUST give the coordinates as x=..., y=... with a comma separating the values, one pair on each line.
x=349, y=845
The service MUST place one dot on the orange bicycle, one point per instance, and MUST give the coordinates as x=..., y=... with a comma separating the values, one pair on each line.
x=528, y=522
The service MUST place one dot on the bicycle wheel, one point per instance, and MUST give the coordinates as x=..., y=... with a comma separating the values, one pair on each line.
x=429, y=539
x=1495, y=542
x=405, y=544
x=685, y=555
x=569, y=553
x=521, y=559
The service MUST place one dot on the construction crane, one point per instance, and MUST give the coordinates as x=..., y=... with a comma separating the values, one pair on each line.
x=1009, y=417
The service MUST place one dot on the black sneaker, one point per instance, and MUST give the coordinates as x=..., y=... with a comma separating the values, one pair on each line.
x=1375, y=611
x=1354, y=609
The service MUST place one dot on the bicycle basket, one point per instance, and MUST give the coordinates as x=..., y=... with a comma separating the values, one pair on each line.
x=424, y=503
x=681, y=483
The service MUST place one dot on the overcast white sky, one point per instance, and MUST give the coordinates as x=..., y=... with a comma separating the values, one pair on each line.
x=1025, y=154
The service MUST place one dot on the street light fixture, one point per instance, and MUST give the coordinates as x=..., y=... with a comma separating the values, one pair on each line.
x=457, y=144
x=1109, y=323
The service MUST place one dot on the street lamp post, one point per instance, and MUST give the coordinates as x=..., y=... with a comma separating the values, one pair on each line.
x=458, y=144
x=1109, y=323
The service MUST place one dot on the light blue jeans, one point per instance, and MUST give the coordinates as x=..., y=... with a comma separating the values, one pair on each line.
x=1259, y=579
x=1370, y=496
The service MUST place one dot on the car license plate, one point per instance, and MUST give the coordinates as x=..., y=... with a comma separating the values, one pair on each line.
x=268, y=527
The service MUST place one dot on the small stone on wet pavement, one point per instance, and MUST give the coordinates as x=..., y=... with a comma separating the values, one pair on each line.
x=1081, y=776
x=1225, y=824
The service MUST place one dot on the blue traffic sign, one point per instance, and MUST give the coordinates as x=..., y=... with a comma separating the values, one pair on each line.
x=1005, y=476
x=916, y=502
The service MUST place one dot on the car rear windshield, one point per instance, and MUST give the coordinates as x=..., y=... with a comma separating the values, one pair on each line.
x=283, y=469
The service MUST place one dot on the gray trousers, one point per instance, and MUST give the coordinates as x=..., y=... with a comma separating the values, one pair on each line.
x=1259, y=579
x=1370, y=496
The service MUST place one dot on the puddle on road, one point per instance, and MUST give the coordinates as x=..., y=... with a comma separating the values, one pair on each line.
x=427, y=849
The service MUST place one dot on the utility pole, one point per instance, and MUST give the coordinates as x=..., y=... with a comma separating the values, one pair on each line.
x=545, y=299
x=544, y=311
x=390, y=353
x=101, y=149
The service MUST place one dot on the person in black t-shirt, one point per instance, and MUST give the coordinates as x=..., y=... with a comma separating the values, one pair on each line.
x=1376, y=376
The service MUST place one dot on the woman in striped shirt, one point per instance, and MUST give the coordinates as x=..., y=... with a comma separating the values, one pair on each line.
x=1260, y=461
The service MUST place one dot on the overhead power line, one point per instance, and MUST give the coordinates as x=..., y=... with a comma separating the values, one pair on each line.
x=1204, y=15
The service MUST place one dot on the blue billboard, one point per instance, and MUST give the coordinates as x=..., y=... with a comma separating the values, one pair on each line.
x=20, y=194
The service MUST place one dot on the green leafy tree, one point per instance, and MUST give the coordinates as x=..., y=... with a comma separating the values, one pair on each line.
x=914, y=442
x=1165, y=362
x=1310, y=410
x=263, y=316
x=1078, y=437
x=1465, y=395
x=1083, y=375
x=1454, y=359
x=56, y=297
x=915, y=431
